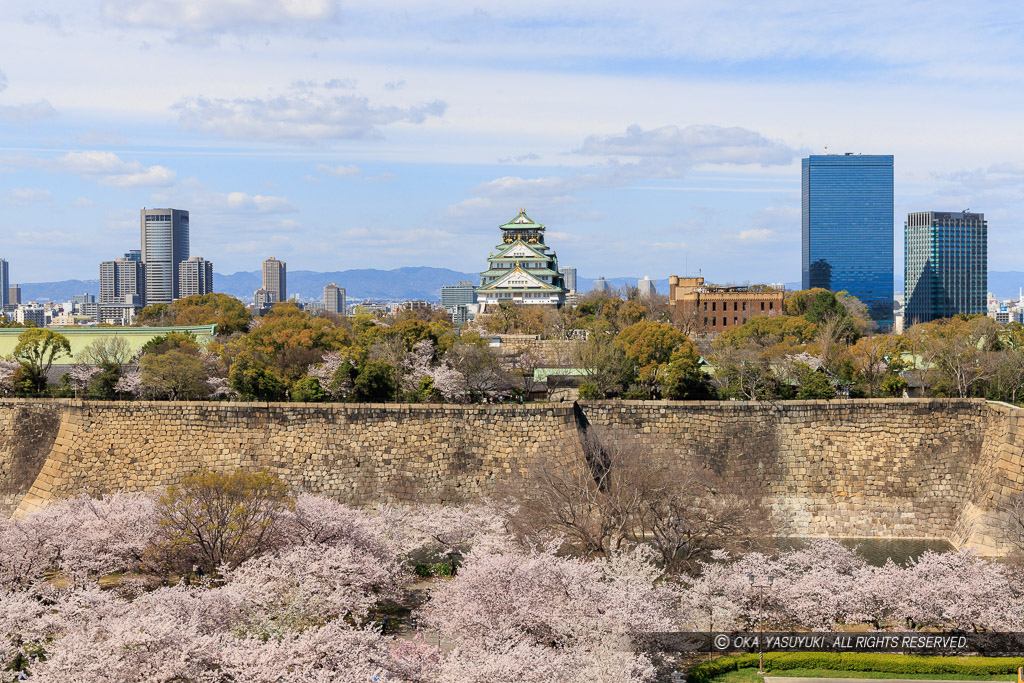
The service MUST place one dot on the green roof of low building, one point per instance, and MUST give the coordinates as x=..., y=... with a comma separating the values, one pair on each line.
x=542, y=374
x=80, y=337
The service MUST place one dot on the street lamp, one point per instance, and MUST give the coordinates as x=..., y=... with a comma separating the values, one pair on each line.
x=760, y=618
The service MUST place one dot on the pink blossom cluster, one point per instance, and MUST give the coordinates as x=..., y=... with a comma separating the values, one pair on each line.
x=74, y=605
x=825, y=584
x=7, y=370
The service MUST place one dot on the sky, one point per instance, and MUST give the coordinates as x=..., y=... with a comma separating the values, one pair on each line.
x=650, y=138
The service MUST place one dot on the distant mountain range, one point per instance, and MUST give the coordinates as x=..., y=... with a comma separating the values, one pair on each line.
x=402, y=283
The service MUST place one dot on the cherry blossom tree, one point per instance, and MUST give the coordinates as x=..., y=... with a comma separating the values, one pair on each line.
x=335, y=385
x=7, y=370
x=544, y=615
x=81, y=375
x=130, y=382
x=419, y=365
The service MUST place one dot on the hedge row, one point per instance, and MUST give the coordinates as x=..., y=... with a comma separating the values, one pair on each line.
x=859, y=661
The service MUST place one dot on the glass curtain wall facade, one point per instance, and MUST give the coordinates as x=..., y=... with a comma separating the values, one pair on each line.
x=946, y=269
x=164, y=247
x=4, y=286
x=847, y=228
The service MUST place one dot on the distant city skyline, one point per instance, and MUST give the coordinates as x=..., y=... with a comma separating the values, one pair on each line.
x=355, y=135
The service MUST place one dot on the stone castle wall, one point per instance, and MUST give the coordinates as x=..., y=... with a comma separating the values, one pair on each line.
x=876, y=468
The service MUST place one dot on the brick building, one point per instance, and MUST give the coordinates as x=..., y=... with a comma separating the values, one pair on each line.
x=711, y=309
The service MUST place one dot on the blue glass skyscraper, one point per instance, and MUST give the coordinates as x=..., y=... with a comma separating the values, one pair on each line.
x=946, y=268
x=847, y=227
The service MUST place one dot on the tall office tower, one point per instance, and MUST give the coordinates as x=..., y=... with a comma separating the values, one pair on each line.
x=646, y=287
x=134, y=255
x=569, y=275
x=4, y=285
x=334, y=299
x=164, y=246
x=120, y=278
x=602, y=285
x=946, y=265
x=847, y=228
x=14, y=295
x=453, y=296
x=195, y=276
x=275, y=279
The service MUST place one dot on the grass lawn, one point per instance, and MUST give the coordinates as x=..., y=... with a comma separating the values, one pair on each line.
x=750, y=675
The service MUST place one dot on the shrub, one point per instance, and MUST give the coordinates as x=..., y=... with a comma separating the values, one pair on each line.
x=212, y=519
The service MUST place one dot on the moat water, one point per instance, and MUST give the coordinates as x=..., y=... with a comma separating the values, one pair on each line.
x=878, y=550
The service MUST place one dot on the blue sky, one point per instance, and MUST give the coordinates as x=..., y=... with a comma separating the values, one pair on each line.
x=384, y=134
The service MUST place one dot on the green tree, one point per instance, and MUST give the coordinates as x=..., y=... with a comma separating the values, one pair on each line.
x=177, y=374
x=605, y=365
x=815, y=385
x=650, y=346
x=375, y=383
x=251, y=378
x=684, y=380
x=228, y=313
x=308, y=390
x=36, y=351
x=767, y=331
x=172, y=340
x=212, y=519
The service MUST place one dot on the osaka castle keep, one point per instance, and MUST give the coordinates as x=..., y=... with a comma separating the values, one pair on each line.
x=520, y=269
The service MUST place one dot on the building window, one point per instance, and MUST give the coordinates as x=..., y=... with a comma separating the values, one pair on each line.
x=725, y=321
x=744, y=308
x=735, y=306
x=734, y=320
x=713, y=304
x=705, y=321
x=762, y=305
x=705, y=308
x=771, y=305
x=713, y=321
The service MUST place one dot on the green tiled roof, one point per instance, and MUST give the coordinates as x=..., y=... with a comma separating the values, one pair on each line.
x=522, y=222
x=498, y=272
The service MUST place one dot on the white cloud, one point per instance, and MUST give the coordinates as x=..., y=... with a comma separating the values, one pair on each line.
x=218, y=15
x=3, y=80
x=668, y=246
x=27, y=113
x=106, y=168
x=692, y=145
x=301, y=115
x=339, y=171
x=83, y=203
x=755, y=235
x=27, y=195
x=240, y=201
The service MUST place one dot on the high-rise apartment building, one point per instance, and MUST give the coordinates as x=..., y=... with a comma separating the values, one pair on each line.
x=946, y=265
x=275, y=279
x=569, y=275
x=195, y=277
x=334, y=299
x=602, y=285
x=120, y=278
x=4, y=285
x=847, y=228
x=165, y=240
x=646, y=287
x=14, y=295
